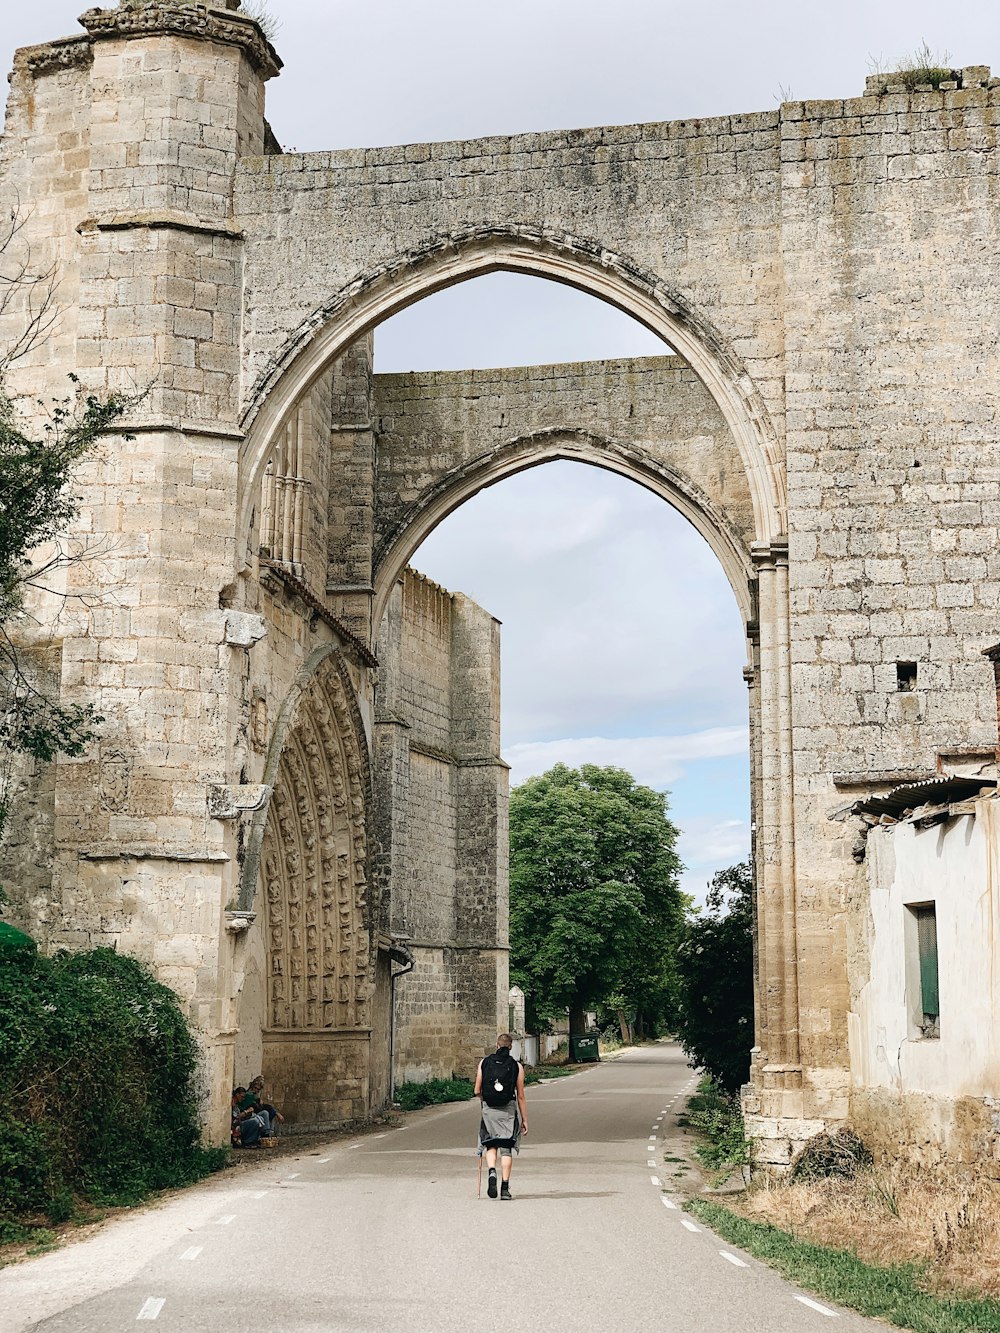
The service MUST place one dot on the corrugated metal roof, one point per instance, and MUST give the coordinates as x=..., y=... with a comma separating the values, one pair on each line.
x=932, y=791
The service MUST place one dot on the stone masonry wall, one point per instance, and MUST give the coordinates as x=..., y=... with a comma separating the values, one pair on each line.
x=651, y=416
x=830, y=270
x=441, y=780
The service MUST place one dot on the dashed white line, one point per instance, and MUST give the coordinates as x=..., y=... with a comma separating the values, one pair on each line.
x=258, y=1194
x=667, y=1203
x=650, y=1161
x=192, y=1252
x=225, y=1219
x=655, y=1180
x=151, y=1307
x=293, y=1175
x=820, y=1309
x=652, y=1138
x=690, y=1226
x=734, y=1259
x=322, y=1161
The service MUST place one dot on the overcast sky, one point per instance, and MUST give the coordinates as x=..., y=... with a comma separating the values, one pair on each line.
x=621, y=641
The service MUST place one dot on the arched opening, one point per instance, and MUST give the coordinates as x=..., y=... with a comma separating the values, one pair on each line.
x=723, y=476
x=377, y=296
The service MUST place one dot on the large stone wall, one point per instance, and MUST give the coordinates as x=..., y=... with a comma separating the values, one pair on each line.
x=442, y=436
x=829, y=271
x=442, y=800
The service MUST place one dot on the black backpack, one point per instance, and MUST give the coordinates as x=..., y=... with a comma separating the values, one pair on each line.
x=500, y=1073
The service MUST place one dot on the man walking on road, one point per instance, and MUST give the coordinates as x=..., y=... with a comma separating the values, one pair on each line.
x=500, y=1088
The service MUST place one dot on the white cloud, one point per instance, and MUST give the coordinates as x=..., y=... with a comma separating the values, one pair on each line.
x=655, y=761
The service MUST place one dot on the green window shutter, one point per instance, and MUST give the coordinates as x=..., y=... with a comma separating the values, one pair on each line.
x=927, y=946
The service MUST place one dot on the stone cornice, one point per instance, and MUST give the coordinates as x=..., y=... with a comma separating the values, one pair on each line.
x=49, y=57
x=186, y=20
x=169, y=218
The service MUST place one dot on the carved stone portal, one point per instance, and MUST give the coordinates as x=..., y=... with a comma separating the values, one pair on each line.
x=314, y=872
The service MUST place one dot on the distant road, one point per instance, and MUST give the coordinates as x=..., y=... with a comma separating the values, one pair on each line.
x=385, y=1232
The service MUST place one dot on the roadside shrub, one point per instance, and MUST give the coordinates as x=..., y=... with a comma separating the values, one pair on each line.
x=717, y=1114
x=98, y=1100
x=839, y=1155
x=411, y=1096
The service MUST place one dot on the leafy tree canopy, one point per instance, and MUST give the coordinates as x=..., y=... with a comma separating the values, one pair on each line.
x=716, y=971
x=595, y=909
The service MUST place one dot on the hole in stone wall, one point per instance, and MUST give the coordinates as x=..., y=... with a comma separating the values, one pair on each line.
x=906, y=676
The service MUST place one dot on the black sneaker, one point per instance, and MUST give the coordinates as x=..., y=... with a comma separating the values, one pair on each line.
x=491, y=1188
x=505, y=1191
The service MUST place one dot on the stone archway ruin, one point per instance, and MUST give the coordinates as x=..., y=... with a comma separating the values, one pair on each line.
x=847, y=385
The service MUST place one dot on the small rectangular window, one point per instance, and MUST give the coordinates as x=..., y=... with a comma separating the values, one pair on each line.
x=906, y=676
x=928, y=1011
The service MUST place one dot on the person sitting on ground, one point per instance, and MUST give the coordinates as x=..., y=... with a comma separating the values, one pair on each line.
x=246, y=1128
x=500, y=1087
x=270, y=1115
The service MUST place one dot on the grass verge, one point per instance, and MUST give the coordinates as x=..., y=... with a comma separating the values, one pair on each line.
x=891, y=1293
x=411, y=1096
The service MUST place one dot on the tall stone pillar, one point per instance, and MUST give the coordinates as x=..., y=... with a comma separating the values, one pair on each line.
x=145, y=857
x=774, y=1102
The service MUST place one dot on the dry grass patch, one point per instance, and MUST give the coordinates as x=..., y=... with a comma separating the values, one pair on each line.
x=896, y=1214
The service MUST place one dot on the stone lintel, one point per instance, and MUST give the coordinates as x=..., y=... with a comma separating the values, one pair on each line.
x=884, y=777
x=178, y=19
x=148, y=853
x=172, y=219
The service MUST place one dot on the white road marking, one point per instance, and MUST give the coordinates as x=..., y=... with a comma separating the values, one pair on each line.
x=192, y=1252
x=322, y=1160
x=690, y=1226
x=354, y=1145
x=225, y=1219
x=151, y=1307
x=655, y=1180
x=258, y=1194
x=293, y=1175
x=655, y=1127
x=667, y=1203
x=650, y=1161
x=820, y=1309
x=734, y=1259
x=652, y=1138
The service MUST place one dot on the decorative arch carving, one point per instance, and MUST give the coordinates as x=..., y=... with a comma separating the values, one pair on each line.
x=453, y=488
x=314, y=867
x=543, y=252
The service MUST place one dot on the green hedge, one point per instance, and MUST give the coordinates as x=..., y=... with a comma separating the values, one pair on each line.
x=97, y=1097
x=411, y=1096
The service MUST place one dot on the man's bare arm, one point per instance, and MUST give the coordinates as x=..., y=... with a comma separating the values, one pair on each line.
x=522, y=1104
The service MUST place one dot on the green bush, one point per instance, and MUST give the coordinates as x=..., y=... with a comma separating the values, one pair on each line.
x=411, y=1096
x=98, y=1100
x=719, y=1117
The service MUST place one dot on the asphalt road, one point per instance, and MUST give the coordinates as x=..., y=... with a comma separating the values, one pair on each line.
x=385, y=1231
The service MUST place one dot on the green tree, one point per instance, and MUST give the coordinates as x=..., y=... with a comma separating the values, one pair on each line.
x=595, y=910
x=716, y=972
x=37, y=505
